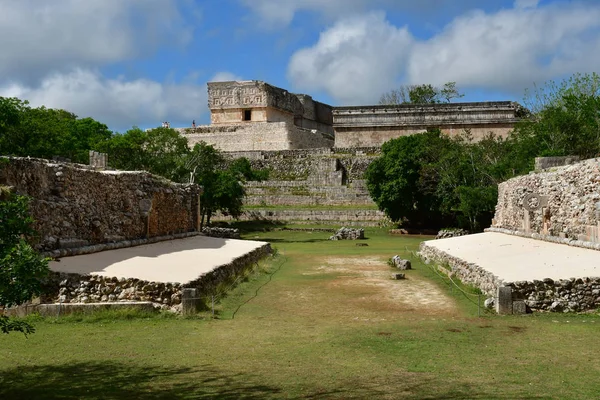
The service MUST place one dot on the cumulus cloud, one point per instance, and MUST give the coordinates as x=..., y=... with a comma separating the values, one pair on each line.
x=225, y=76
x=119, y=103
x=511, y=48
x=355, y=60
x=358, y=58
x=37, y=36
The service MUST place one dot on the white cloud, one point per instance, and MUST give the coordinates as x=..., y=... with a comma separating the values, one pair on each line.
x=511, y=48
x=225, y=76
x=358, y=58
x=354, y=61
x=37, y=36
x=119, y=103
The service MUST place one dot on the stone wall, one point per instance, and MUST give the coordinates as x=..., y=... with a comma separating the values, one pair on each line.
x=564, y=295
x=78, y=288
x=75, y=206
x=374, y=125
x=355, y=217
x=377, y=135
x=467, y=272
x=256, y=136
x=562, y=204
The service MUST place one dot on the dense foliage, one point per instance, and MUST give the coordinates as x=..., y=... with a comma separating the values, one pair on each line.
x=21, y=267
x=431, y=180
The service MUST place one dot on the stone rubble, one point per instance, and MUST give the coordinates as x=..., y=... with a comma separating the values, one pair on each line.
x=225, y=233
x=348, y=234
x=450, y=233
x=400, y=263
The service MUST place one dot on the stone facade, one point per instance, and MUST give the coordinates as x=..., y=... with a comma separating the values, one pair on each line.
x=256, y=136
x=562, y=204
x=374, y=125
x=75, y=206
x=253, y=115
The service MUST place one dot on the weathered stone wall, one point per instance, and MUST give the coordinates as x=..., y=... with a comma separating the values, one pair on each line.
x=299, y=164
x=377, y=135
x=374, y=125
x=75, y=206
x=327, y=217
x=467, y=272
x=564, y=295
x=256, y=136
x=563, y=203
x=77, y=288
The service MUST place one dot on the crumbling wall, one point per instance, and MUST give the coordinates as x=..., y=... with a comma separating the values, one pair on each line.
x=561, y=204
x=75, y=206
x=257, y=136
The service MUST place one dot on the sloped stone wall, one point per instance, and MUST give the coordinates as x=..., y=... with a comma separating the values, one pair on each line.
x=75, y=206
x=560, y=204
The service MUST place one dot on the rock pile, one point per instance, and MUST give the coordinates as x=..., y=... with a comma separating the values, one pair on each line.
x=225, y=233
x=93, y=289
x=563, y=295
x=449, y=233
x=400, y=263
x=348, y=234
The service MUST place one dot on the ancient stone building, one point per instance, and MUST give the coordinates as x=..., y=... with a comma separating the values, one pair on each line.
x=255, y=116
x=367, y=126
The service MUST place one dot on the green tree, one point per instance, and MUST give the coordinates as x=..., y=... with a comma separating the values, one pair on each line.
x=45, y=132
x=21, y=267
x=161, y=151
x=565, y=120
x=223, y=188
x=399, y=183
x=421, y=94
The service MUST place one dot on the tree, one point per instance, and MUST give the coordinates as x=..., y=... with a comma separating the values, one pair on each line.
x=397, y=183
x=161, y=151
x=45, y=132
x=565, y=120
x=21, y=267
x=421, y=94
x=223, y=189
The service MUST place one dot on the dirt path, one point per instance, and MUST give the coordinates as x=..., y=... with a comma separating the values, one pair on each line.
x=366, y=283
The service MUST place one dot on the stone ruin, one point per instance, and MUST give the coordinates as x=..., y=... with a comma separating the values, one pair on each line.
x=449, y=233
x=400, y=263
x=348, y=234
x=224, y=233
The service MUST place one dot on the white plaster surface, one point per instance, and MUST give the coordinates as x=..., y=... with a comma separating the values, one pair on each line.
x=180, y=260
x=513, y=258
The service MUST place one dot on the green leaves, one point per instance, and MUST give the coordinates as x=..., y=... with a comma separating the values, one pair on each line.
x=21, y=267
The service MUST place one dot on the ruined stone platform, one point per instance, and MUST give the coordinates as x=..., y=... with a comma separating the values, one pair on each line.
x=513, y=258
x=181, y=260
x=541, y=275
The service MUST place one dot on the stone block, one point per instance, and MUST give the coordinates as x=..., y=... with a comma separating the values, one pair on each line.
x=190, y=301
x=504, y=305
x=519, y=307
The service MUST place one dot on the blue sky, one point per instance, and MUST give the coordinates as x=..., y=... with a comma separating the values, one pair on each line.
x=141, y=62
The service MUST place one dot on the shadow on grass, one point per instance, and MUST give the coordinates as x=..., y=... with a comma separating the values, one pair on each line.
x=113, y=380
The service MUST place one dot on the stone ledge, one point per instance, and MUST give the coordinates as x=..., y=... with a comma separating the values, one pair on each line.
x=547, y=238
x=67, y=252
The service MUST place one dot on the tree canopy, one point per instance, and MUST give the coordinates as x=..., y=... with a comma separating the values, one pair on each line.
x=433, y=180
x=421, y=94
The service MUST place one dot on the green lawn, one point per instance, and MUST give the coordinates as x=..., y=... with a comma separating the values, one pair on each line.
x=318, y=321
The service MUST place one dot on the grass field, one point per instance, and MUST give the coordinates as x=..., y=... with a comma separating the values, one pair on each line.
x=320, y=320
